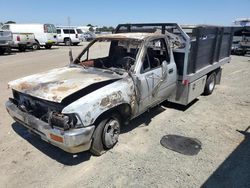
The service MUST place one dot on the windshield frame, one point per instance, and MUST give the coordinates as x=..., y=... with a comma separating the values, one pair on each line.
x=141, y=41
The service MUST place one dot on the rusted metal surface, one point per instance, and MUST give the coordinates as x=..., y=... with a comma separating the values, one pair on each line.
x=125, y=89
x=57, y=84
x=137, y=36
x=91, y=106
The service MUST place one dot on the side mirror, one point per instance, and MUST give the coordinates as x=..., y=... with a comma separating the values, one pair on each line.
x=164, y=67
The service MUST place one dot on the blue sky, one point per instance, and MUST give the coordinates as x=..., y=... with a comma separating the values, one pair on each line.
x=112, y=12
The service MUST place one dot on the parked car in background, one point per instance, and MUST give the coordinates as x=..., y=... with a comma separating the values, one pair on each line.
x=69, y=35
x=241, y=40
x=89, y=36
x=80, y=34
x=5, y=41
x=45, y=34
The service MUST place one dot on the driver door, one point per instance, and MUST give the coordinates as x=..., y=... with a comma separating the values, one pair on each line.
x=157, y=77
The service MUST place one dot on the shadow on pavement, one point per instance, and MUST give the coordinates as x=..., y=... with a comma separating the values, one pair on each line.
x=74, y=159
x=144, y=118
x=147, y=117
x=180, y=107
x=50, y=150
x=235, y=170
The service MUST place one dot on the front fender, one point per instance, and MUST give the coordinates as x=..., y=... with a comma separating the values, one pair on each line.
x=91, y=106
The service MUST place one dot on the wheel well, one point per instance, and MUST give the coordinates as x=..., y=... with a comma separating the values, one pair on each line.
x=123, y=110
x=37, y=41
x=217, y=73
x=66, y=38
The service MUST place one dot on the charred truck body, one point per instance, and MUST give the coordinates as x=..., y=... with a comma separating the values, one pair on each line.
x=116, y=78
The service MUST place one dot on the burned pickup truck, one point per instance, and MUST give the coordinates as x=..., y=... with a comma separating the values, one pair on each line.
x=116, y=78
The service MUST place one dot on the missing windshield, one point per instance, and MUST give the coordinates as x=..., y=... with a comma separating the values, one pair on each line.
x=110, y=54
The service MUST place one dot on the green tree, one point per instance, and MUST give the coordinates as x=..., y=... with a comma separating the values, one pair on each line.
x=10, y=22
x=111, y=29
x=105, y=29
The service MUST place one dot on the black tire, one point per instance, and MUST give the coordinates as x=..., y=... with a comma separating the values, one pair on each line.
x=8, y=50
x=48, y=46
x=67, y=42
x=22, y=48
x=39, y=47
x=106, y=134
x=210, y=84
x=75, y=43
x=2, y=51
x=36, y=46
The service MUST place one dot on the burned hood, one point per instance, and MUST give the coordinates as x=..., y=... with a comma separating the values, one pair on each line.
x=57, y=84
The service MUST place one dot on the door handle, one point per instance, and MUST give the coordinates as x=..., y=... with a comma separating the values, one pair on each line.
x=170, y=71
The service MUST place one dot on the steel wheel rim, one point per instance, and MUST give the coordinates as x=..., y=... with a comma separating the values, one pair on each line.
x=35, y=46
x=111, y=133
x=211, y=85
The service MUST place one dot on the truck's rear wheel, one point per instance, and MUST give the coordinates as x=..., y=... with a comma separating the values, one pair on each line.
x=67, y=42
x=35, y=46
x=48, y=46
x=106, y=134
x=210, y=84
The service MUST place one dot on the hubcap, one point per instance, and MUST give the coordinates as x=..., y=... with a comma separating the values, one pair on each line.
x=211, y=85
x=35, y=46
x=111, y=133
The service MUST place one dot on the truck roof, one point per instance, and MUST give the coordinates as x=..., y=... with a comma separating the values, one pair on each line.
x=66, y=27
x=137, y=36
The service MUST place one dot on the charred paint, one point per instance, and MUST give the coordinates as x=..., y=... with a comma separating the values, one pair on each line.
x=112, y=100
x=137, y=36
x=60, y=83
x=25, y=86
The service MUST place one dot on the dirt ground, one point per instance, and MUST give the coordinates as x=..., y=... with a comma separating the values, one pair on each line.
x=138, y=160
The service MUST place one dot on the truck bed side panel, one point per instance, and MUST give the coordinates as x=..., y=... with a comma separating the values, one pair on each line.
x=208, y=46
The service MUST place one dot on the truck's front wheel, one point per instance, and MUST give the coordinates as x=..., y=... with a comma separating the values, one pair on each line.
x=106, y=134
x=210, y=84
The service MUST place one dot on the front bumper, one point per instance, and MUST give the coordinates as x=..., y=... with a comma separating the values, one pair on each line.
x=73, y=141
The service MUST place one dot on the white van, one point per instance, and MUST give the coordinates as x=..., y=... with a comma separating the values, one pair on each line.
x=45, y=34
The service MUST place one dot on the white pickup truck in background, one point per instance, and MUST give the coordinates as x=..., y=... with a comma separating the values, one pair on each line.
x=22, y=41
